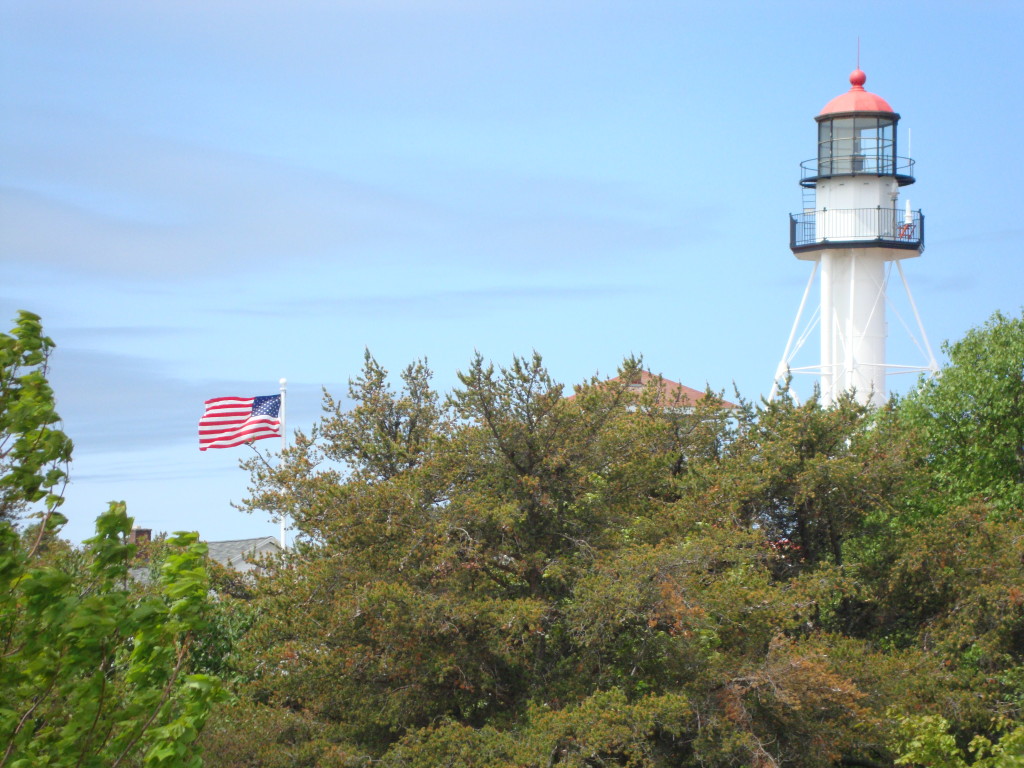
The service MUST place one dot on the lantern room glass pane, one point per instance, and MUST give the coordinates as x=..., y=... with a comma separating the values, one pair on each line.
x=865, y=144
x=825, y=147
x=843, y=145
x=887, y=145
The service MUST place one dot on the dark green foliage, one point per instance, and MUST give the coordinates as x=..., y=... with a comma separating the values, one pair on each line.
x=512, y=577
x=809, y=476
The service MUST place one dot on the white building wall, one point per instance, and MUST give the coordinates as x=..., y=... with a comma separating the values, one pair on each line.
x=856, y=208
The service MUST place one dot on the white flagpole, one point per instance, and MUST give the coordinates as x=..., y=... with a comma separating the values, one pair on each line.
x=284, y=444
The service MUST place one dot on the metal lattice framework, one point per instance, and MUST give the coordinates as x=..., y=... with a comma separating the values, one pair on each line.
x=796, y=341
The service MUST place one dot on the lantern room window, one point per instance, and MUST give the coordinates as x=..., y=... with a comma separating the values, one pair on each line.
x=856, y=144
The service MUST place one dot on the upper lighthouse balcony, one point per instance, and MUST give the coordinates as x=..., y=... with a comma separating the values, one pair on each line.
x=892, y=228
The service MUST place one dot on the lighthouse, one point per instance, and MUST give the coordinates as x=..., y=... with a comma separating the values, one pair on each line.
x=855, y=230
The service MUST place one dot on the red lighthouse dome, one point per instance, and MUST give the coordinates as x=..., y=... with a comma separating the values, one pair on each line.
x=857, y=136
x=857, y=99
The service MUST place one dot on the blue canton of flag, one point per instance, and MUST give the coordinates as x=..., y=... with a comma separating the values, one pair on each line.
x=266, y=405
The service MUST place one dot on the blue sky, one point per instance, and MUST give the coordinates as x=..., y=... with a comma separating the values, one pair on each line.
x=202, y=197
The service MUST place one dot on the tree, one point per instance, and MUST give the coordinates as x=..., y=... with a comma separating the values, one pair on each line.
x=971, y=417
x=810, y=475
x=509, y=576
x=92, y=675
x=539, y=581
x=925, y=740
x=33, y=453
x=386, y=433
x=92, y=672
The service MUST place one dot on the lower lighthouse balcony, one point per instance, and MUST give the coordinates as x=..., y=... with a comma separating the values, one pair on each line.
x=856, y=228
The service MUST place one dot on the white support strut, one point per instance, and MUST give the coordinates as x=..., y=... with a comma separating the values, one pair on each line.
x=786, y=356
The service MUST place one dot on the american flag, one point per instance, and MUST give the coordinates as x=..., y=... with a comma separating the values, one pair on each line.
x=231, y=421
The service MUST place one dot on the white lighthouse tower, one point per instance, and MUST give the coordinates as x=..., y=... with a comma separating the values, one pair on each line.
x=855, y=230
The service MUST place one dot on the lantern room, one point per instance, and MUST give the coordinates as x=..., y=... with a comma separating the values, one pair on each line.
x=857, y=135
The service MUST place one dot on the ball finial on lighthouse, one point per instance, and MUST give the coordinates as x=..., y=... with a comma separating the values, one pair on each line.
x=857, y=99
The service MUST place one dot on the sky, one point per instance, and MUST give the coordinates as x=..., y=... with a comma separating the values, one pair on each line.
x=200, y=198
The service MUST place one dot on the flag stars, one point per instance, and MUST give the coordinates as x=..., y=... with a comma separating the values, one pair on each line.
x=266, y=405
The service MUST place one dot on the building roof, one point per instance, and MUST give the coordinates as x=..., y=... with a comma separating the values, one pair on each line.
x=236, y=554
x=233, y=554
x=857, y=99
x=673, y=395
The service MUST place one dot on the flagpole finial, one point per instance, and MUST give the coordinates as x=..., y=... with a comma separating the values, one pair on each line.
x=283, y=382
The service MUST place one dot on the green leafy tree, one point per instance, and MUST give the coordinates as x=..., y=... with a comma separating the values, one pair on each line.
x=91, y=675
x=971, y=417
x=34, y=453
x=926, y=740
x=92, y=672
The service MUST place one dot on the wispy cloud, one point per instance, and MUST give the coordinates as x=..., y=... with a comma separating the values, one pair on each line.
x=127, y=205
x=191, y=211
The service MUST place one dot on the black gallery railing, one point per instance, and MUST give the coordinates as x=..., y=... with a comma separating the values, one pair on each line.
x=845, y=165
x=843, y=227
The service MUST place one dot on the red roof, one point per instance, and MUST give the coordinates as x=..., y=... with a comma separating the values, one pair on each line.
x=673, y=393
x=857, y=99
